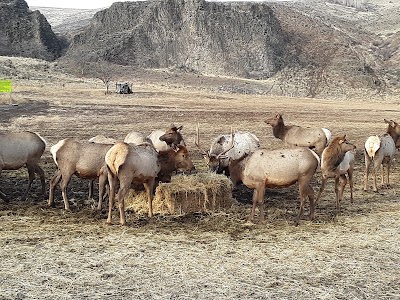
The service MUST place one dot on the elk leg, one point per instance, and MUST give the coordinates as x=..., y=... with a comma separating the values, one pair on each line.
x=303, y=190
x=321, y=189
x=91, y=189
x=255, y=202
x=351, y=183
x=102, y=184
x=383, y=175
x=374, y=171
x=387, y=172
x=311, y=197
x=149, y=186
x=366, y=173
x=343, y=182
x=123, y=189
x=260, y=195
x=64, y=184
x=112, y=181
x=40, y=172
x=31, y=173
x=337, y=194
x=53, y=182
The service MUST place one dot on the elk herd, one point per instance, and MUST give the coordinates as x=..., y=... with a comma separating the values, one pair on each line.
x=149, y=160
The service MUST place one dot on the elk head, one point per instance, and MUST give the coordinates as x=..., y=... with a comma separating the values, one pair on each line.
x=214, y=161
x=275, y=120
x=172, y=136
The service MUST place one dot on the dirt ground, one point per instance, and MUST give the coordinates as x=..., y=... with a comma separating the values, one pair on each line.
x=52, y=254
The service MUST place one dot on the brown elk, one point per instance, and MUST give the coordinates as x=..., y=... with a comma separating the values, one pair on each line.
x=164, y=139
x=379, y=151
x=313, y=138
x=337, y=160
x=141, y=164
x=18, y=149
x=221, y=150
x=276, y=169
x=84, y=159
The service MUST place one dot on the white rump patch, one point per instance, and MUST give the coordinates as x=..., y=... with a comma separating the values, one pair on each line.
x=55, y=148
x=372, y=144
x=328, y=135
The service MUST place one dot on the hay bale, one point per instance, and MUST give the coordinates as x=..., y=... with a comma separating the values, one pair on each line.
x=202, y=192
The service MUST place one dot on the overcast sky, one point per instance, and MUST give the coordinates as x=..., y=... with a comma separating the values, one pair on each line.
x=72, y=3
x=85, y=3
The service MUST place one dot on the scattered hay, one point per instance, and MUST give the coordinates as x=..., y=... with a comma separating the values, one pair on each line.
x=202, y=192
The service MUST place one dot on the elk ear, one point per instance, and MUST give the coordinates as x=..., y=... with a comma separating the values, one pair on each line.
x=221, y=140
x=390, y=122
x=179, y=128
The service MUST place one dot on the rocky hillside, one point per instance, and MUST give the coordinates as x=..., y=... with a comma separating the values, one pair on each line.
x=66, y=21
x=238, y=39
x=310, y=48
x=26, y=33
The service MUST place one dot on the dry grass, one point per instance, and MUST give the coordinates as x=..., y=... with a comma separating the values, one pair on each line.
x=201, y=192
x=51, y=254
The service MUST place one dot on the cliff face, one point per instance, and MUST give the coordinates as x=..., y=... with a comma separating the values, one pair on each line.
x=26, y=33
x=213, y=38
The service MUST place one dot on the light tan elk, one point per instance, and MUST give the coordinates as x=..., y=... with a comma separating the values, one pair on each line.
x=137, y=138
x=337, y=160
x=379, y=151
x=141, y=164
x=293, y=135
x=276, y=169
x=164, y=139
x=220, y=152
x=18, y=149
x=84, y=159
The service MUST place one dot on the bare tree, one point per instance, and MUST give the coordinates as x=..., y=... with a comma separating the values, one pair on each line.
x=105, y=72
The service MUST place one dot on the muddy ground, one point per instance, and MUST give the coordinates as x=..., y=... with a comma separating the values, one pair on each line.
x=47, y=253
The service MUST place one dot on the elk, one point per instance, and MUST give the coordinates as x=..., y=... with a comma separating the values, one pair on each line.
x=276, y=169
x=221, y=149
x=337, y=160
x=137, y=138
x=313, y=138
x=164, y=139
x=141, y=164
x=18, y=149
x=84, y=159
x=380, y=150
x=101, y=139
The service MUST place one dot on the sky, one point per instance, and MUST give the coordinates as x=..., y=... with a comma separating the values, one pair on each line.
x=84, y=4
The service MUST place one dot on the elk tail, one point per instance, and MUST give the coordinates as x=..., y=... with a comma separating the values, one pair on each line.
x=372, y=145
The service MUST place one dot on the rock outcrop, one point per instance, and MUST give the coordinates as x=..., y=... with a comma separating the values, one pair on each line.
x=26, y=33
x=230, y=39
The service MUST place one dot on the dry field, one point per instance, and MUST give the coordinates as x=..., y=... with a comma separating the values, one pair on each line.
x=50, y=254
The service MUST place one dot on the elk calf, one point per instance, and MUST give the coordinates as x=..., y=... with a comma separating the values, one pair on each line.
x=337, y=160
